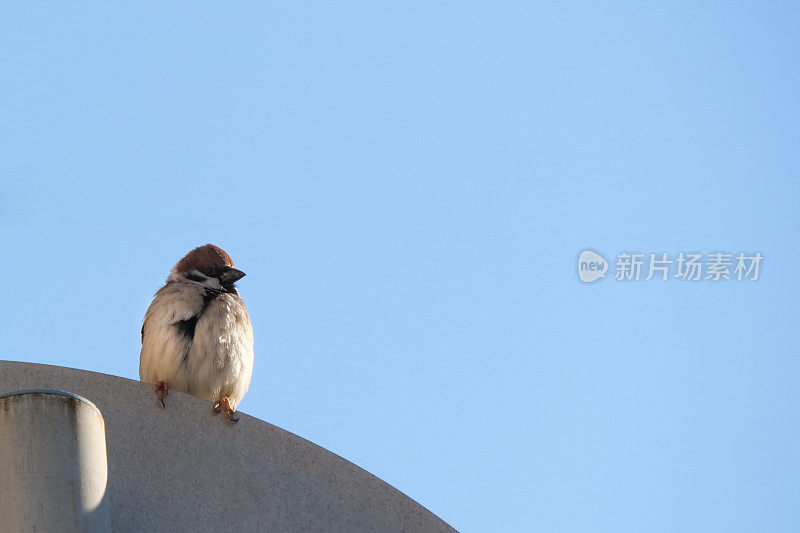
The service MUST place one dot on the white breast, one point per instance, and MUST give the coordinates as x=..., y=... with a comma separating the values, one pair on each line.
x=220, y=361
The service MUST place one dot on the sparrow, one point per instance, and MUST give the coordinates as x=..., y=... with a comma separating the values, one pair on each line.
x=196, y=336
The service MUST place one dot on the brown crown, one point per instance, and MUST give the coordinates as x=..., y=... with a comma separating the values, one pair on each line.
x=204, y=256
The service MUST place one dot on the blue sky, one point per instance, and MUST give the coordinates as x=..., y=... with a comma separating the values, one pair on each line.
x=408, y=188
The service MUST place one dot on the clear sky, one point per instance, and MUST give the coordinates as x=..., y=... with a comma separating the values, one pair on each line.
x=408, y=187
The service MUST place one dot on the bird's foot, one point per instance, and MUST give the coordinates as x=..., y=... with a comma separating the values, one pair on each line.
x=223, y=404
x=162, y=389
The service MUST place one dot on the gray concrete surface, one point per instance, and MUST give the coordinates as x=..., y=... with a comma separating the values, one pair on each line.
x=184, y=469
x=52, y=464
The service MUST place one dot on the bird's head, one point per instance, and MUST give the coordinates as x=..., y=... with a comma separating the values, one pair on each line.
x=208, y=264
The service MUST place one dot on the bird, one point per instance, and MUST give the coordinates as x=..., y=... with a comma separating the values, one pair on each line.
x=196, y=336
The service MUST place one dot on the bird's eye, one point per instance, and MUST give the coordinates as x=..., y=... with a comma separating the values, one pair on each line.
x=210, y=270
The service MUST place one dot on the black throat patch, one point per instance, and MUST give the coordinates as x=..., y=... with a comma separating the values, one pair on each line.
x=187, y=327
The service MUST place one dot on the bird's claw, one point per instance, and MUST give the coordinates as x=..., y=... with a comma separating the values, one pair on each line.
x=223, y=404
x=162, y=389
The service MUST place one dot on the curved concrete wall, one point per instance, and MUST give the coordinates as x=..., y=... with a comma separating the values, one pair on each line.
x=182, y=469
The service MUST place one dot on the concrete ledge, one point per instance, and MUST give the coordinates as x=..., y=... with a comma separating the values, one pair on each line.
x=182, y=469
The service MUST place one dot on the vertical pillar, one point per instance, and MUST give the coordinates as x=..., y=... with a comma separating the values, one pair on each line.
x=53, y=468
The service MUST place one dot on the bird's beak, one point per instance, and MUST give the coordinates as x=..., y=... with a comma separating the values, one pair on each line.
x=231, y=276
